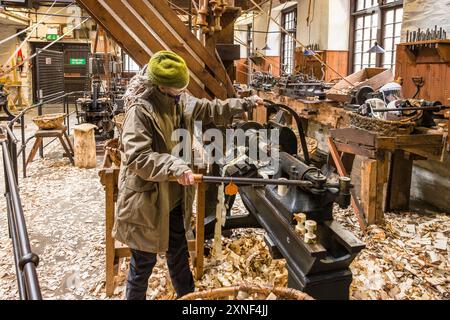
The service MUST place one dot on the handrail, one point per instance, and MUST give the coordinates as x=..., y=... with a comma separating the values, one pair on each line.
x=26, y=261
x=39, y=104
x=20, y=118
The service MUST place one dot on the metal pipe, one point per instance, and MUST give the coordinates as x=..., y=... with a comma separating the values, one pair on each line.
x=250, y=181
x=256, y=181
x=24, y=147
x=298, y=121
x=37, y=105
x=434, y=108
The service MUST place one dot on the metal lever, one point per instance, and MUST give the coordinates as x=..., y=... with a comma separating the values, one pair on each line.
x=248, y=181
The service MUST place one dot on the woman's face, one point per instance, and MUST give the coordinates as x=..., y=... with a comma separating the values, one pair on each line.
x=173, y=92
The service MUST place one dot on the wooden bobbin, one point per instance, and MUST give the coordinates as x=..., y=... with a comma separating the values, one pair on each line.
x=301, y=219
x=311, y=228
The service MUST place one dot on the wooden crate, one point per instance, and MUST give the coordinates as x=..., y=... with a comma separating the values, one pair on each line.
x=372, y=77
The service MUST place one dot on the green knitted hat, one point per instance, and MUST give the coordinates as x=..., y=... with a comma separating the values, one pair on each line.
x=168, y=69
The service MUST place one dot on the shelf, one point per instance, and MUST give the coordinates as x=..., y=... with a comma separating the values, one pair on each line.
x=423, y=53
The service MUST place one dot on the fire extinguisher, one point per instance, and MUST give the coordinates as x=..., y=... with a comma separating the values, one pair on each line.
x=19, y=60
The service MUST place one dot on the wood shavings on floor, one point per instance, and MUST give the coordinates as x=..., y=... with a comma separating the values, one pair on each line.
x=407, y=258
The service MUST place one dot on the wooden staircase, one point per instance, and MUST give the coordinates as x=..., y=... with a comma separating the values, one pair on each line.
x=144, y=27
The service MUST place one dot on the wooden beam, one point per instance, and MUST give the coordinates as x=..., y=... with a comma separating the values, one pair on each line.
x=343, y=173
x=374, y=178
x=356, y=149
x=200, y=231
x=399, y=189
x=368, y=189
x=109, y=241
x=200, y=50
x=170, y=40
x=146, y=37
x=115, y=30
x=141, y=33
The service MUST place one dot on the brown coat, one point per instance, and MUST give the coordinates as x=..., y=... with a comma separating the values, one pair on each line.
x=142, y=217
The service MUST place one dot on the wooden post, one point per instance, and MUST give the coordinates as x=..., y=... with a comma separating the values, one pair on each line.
x=399, y=190
x=260, y=114
x=34, y=150
x=374, y=177
x=85, y=147
x=109, y=241
x=200, y=231
x=344, y=173
x=368, y=189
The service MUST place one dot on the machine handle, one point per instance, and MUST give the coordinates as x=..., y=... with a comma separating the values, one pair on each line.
x=198, y=178
x=248, y=181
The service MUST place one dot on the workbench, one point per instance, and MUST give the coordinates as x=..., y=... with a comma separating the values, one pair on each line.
x=387, y=160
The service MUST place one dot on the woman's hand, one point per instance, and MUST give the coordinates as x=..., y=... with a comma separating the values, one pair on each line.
x=186, y=179
x=258, y=100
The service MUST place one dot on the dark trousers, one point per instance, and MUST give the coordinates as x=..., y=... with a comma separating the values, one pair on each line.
x=142, y=263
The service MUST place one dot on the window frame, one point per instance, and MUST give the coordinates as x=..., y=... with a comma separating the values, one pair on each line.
x=381, y=8
x=127, y=60
x=293, y=32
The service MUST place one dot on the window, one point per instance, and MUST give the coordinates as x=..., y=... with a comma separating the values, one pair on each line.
x=376, y=23
x=289, y=22
x=249, y=40
x=129, y=65
x=391, y=35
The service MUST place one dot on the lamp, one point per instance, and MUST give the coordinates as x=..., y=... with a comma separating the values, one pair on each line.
x=376, y=49
x=266, y=47
x=308, y=52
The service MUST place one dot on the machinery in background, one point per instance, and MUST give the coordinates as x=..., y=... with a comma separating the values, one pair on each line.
x=299, y=86
x=101, y=105
x=389, y=104
x=263, y=81
x=97, y=109
x=318, y=250
x=302, y=86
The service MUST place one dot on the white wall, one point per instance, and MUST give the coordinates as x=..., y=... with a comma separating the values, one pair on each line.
x=426, y=14
x=260, y=24
x=330, y=25
x=339, y=25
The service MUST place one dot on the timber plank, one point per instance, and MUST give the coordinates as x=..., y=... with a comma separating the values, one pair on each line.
x=399, y=189
x=344, y=173
x=354, y=135
x=169, y=38
x=151, y=42
x=381, y=187
x=356, y=150
x=109, y=224
x=369, y=190
x=210, y=60
x=115, y=30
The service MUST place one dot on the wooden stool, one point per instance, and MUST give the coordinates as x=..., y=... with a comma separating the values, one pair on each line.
x=61, y=134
